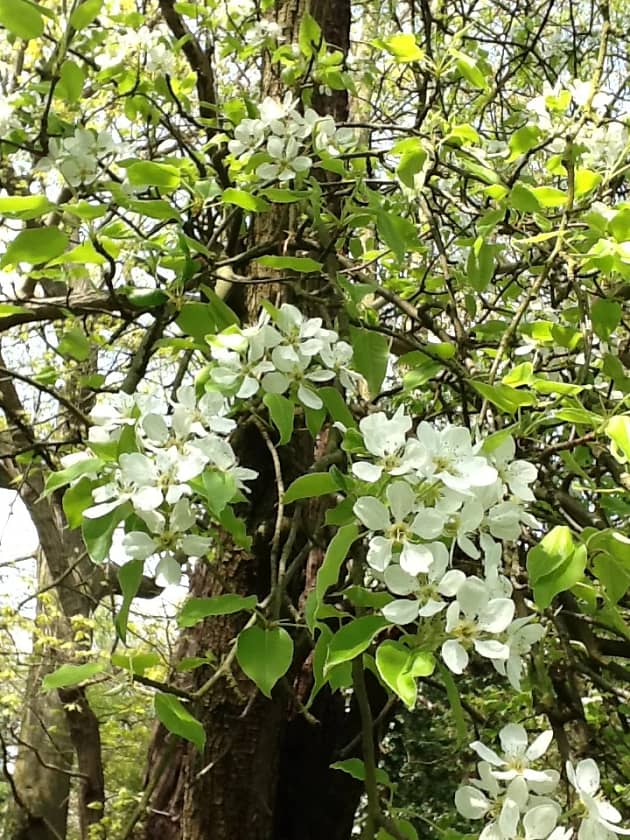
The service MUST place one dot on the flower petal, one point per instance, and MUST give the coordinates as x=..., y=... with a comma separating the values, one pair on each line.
x=454, y=656
x=415, y=559
x=513, y=739
x=402, y=611
x=587, y=776
x=539, y=822
x=540, y=745
x=372, y=513
x=471, y=802
x=366, y=471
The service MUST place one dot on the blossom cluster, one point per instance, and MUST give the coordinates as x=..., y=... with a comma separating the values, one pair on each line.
x=154, y=42
x=432, y=491
x=293, y=354
x=171, y=450
x=517, y=797
x=80, y=157
x=282, y=133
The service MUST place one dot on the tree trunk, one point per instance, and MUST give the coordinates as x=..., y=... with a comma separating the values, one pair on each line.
x=265, y=772
x=44, y=759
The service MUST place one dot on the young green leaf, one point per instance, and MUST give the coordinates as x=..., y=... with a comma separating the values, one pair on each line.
x=371, y=354
x=353, y=639
x=282, y=413
x=69, y=675
x=264, y=655
x=196, y=609
x=310, y=486
x=172, y=713
x=129, y=577
x=21, y=18
x=35, y=246
x=336, y=553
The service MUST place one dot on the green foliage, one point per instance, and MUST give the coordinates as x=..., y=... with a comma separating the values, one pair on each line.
x=264, y=655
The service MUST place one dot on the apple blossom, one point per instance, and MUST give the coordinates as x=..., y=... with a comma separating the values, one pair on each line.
x=469, y=618
x=601, y=819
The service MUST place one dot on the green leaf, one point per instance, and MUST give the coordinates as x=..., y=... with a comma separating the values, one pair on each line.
x=398, y=233
x=280, y=196
x=586, y=181
x=84, y=14
x=76, y=499
x=10, y=309
x=337, y=407
x=282, y=413
x=71, y=473
x=71, y=81
x=550, y=196
x=302, y=264
x=579, y=416
x=480, y=265
x=220, y=312
x=455, y=702
x=135, y=663
x=74, y=345
x=404, y=48
x=309, y=35
x=85, y=210
x=236, y=527
x=21, y=18
x=405, y=829
x=245, y=200
x=353, y=639
x=196, y=320
x=520, y=375
x=523, y=140
x=83, y=253
x=97, y=533
x=504, y=397
x=555, y=565
x=605, y=317
x=130, y=578
x=336, y=553
x=147, y=173
x=172, y=714
x=391, y=661
x=35, y=246
x=68, y=675
x=356, y=768
x=264, y=655
x=25, y=206
x=618, y=430
x=370, y=356
x=523, y=199
x=469, y=69
x=310, y=486
x=314, y=419
x=154, y=208
x=409, y=165
x=196, y=609
x=219, y=488
x=619, y=225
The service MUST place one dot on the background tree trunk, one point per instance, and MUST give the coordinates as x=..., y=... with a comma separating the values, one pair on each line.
x=265, y=772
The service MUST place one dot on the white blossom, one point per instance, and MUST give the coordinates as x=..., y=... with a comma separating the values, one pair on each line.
x=518, y=757
x=398, y=532
x=601, y=819
x=469, y=619
x=448, y=455
x=385, y=438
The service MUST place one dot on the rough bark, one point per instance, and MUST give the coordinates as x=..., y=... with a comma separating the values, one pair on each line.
x=44, y=760
x=41, y=779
